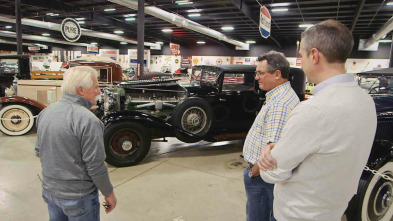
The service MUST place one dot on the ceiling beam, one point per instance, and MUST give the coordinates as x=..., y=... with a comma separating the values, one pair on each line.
x=357, y=14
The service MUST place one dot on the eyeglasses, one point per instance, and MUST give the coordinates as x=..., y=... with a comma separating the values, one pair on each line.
x=260, y=73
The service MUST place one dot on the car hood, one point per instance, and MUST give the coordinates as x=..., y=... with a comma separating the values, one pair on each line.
x=383, y=103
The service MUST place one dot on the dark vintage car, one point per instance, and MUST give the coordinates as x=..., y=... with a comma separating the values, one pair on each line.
x=373, y=200
x=219, y=103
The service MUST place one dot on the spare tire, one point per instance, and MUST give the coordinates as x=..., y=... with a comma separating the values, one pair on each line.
x=193, y=115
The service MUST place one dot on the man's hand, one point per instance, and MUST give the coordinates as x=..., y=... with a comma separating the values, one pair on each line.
x=266, y=161
x=110, y=202
x=255, y=170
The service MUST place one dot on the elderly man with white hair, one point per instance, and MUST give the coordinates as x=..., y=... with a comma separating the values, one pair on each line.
x=71, y=149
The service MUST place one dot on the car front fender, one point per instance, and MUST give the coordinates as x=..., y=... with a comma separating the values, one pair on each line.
x=158, y=127
x=21, y=100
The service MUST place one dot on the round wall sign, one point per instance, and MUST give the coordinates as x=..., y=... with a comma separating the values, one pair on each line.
x=70, y=29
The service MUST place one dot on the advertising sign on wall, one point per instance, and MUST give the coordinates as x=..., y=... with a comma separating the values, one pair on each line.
x=112, y=53
x=133, y=56
x=175, y=49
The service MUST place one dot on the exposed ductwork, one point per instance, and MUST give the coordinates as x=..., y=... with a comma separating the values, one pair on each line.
x=179, y=21
x=10, y=34
x=384, y=30
x=86, y=32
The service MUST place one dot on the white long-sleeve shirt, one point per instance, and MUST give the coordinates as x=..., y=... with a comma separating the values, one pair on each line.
x=321, y=154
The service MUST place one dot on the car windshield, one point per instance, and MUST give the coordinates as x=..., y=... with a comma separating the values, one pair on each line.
x=376, y=84
x=205, y=76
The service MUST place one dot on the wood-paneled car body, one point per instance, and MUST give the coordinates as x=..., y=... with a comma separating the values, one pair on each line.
x=33, y=91
x=219, y=103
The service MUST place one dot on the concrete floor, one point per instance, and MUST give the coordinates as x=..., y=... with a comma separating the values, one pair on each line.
x=202, y=181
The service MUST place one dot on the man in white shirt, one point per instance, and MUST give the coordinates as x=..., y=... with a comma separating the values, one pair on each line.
x=317, y=163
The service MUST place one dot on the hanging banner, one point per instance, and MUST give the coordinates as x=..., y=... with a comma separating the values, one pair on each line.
x=264, y=22
x=70, y=29
x=175, y=49
x=92, y=49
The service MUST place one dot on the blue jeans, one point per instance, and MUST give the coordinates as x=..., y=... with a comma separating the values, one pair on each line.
x=259, y=198
x=86, y=208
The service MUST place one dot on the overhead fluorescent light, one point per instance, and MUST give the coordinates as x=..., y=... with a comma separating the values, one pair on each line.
x=385, y=41
x=250, y=42
x=194, y=10
x=194, y=15
x=109, y=10
x=80, y=19
x=94, y=43
x=123, y=43
x=118, y=32
x=130, y=19
x=80, y=22
x=129, y=15
x=167, y=30
x=305, y=25
x=279, y=9
x=185, y=2
x=160, y=42
x=201, y=42
x=279, y=4
x=227, y=28
x=389, y=3
x=46, y=34
x=8, y=27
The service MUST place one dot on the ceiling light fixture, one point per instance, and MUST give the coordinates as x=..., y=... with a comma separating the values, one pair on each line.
x=201, y=42
x=46, y=34
x=80, y=19
x=8, y=27
x=305, y=25
x=129, y=15
x=385, y=41
x=160, y=42
x=390, y=4
x=94, y=43
x=194, y=10
x=184, y=3
x=80, y=22
x=52, y=14
x=194, y=15
x=167, y=30
x=109, y=10
x=279, y=4
x=280, y=10
x=118, y=32
x=123, y=43
x=130, y=19
x=250, y=42
x=227, y=28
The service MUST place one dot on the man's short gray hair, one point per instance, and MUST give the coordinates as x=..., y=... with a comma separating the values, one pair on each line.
x=276, y=61
x=77, y=76
x=331, y=38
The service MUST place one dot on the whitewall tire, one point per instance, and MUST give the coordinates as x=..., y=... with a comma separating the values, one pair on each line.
x=16, y=120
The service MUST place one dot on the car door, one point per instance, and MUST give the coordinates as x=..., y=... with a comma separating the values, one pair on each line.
x=237, y=103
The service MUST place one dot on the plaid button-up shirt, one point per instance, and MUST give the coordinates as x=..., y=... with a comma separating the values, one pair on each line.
x=270, y=121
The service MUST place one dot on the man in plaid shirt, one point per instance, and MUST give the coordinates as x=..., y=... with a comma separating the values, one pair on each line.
x=272, y=74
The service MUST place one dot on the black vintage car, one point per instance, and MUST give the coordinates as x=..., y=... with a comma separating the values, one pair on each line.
x=219, y=103
x=374, y=197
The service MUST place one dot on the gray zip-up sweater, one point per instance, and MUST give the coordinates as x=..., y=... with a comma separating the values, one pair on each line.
x=71, y=149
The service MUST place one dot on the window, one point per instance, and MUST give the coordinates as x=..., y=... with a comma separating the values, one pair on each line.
x=238, y=82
